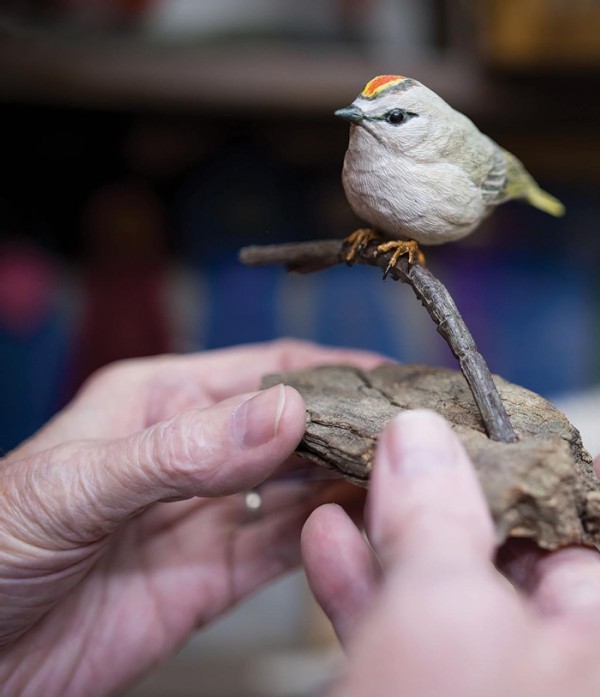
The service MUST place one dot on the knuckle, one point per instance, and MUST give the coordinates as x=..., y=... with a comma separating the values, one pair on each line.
x=114, y=373
x=45, y=502
x=109, y=374
x=289, y=343
x=286, y=345
x=289, y=349
x=177, y=449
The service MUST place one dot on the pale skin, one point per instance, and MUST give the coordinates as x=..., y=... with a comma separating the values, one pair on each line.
x=423, y=610
x=101, y=578
x=123, y=526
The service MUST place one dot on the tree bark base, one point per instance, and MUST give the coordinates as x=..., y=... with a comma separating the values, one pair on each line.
x=541, y=487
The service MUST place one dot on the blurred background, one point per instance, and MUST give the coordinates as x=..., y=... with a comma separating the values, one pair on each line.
x=144, y=141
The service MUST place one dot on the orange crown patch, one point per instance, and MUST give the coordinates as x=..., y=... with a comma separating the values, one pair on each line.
x=383, y=82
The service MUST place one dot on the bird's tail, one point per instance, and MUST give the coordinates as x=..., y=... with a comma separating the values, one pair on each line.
x=544, y=201
x=522, y=185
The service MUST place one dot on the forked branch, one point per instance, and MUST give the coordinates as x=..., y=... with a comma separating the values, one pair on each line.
x=306, y=257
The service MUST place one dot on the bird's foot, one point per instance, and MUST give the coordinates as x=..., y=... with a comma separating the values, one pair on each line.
x=357, y=241
x=401, y=247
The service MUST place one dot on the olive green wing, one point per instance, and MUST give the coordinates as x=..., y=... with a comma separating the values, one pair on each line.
x=508, y=179
x=494, y=186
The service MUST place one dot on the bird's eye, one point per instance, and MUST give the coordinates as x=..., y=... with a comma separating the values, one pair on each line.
x=395, y=116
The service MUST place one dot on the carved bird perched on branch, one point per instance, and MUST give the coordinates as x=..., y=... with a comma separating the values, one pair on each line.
x=418, y=169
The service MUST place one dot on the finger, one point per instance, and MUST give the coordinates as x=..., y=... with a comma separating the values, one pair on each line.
x=240, y=369
x=269, y=546
x=241, y=554
x=152, y=389
x=425, y=504
x=198, y=380
x=340, y=567
x=568, y=585
x=219, y=563
x=164, y=515
x=80, y=492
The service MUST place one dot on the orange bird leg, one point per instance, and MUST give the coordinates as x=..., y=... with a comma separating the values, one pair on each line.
x=358, y=240
x=400, y=247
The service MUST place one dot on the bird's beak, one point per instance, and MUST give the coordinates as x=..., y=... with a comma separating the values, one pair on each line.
x=350, y=113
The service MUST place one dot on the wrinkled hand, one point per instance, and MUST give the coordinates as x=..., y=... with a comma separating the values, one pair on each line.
x=430, y=614
x=99, y=577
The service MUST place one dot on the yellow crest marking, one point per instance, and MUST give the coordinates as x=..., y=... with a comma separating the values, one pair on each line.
x=380, y=83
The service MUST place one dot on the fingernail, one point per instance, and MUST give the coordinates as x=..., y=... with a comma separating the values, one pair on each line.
x=418, y=442
x=256, y=421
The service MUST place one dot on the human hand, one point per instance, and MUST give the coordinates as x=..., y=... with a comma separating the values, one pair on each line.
x=100, y=578
x=430, y=614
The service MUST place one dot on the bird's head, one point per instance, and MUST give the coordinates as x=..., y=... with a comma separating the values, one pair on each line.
x=397, y=112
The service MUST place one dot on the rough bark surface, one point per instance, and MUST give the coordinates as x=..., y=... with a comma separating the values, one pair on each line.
x=540, y=487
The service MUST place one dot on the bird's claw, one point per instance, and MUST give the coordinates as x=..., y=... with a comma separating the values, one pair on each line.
x=409, y=248
x=358, y=240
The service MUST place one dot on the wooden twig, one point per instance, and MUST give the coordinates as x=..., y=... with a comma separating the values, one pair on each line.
x=306, y=257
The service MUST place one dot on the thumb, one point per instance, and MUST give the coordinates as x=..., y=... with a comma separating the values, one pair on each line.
x=79, y=492
x=425, y=505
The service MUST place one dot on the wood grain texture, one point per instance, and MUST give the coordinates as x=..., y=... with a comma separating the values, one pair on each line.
x=541, y=487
